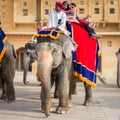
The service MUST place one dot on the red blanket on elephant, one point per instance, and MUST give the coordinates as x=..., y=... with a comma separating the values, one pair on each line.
x=85, y=59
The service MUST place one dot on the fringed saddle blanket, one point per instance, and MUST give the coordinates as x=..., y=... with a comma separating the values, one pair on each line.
x=3, y=39
x=53, y=34
x=85, y=59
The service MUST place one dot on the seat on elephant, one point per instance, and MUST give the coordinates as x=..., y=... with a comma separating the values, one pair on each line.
x=53, y=33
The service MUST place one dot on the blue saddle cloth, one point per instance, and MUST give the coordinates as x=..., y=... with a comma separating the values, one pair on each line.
x=3, y=39
x=53, y=34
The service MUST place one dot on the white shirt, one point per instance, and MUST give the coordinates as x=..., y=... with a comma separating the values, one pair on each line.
x=55, y=17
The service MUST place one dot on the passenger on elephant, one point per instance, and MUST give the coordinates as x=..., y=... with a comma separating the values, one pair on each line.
x=70, y=10
x=57, y=18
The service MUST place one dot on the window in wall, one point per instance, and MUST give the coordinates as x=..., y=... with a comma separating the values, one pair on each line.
x=3, y=15
x=112, y=10
x=46, y=11
x=111, y=2
x=46, y=2
x=81, y=11
x=96, y=11
x=96, y=2
x=109, y=43
x=24, y=3
x=25, y=12
x=81, y=2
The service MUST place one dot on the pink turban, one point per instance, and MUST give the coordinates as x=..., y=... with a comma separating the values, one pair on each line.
x=59, y=4
x=39, y=29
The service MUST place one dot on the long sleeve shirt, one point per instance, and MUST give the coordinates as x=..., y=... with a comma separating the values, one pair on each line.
x=54, y=19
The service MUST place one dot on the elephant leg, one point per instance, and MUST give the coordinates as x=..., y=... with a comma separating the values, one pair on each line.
x=74, y=92
x=64, y=94
x=53, y=78
x=72, y=88
x=88, y=95
x=10, y=91
x=56, y=92
x=42, y=99
x=26, y=63
x=4, y=90
x=45, y=96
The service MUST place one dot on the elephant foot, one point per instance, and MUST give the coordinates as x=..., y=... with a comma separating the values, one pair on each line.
x=47, y=108
x=11, y=99
x=3, y=97
x=88, y=102
x=62, y=110
x=26, y=82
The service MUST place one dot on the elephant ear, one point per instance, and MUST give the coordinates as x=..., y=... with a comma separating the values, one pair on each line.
x=67, y=49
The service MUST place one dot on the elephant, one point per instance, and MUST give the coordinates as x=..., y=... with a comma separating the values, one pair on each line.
x=55, y=62
x=7, y=73
x=118, y=68
x=29, y=58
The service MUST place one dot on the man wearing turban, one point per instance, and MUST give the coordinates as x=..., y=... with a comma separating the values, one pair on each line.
x=57, y=17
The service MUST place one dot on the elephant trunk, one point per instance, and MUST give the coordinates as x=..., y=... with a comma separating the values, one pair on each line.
x=44, y=72
x=26, y=62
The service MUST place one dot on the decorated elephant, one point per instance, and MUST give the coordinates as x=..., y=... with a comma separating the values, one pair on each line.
x=118, y=68
x=7, y=73
x=29, y=58
x=55, y=62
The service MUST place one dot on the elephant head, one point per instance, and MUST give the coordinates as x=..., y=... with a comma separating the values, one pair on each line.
x=54, y=58
x=29, y=58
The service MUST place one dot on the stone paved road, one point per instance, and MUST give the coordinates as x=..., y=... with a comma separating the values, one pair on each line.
x=27, y=105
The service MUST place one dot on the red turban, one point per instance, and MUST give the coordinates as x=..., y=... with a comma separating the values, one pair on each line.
x=59, y=4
